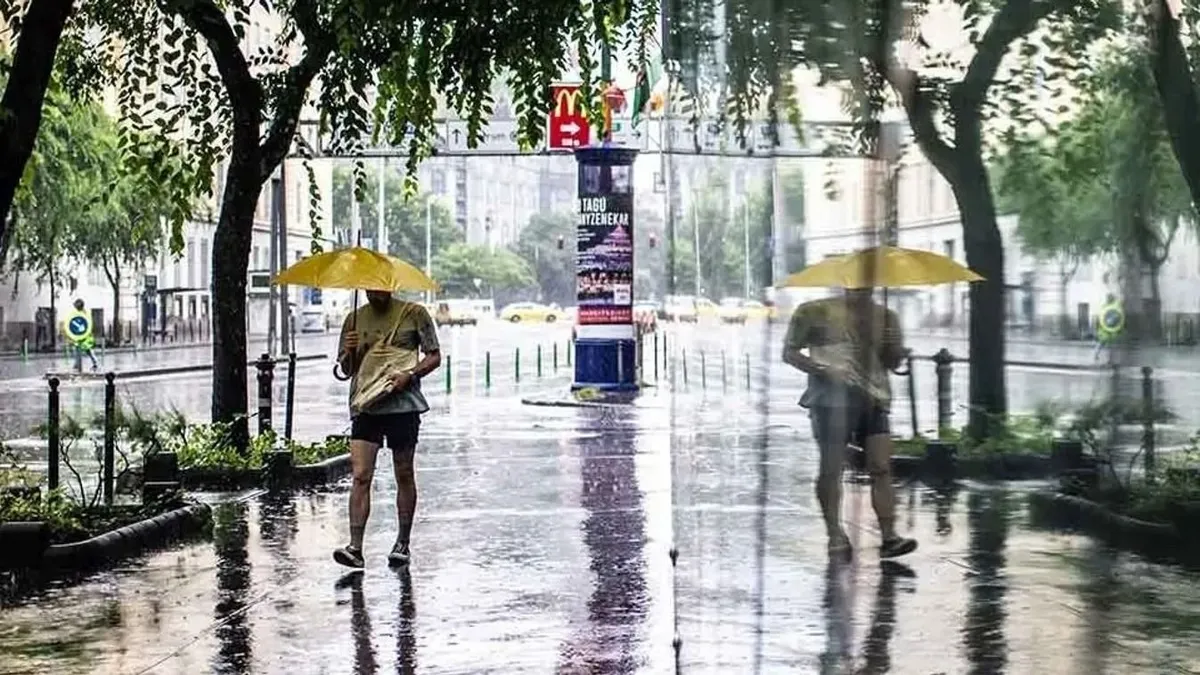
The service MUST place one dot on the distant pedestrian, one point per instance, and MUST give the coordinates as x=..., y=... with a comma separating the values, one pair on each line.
x=386, y=347
x=852, y=343
x=78, y=329
x=1109, y=325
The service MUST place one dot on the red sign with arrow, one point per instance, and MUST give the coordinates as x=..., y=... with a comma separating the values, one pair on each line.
x=569, y=127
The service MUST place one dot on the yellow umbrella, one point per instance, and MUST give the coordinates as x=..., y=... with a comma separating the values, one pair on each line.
x=882, y=267
x=356, y=268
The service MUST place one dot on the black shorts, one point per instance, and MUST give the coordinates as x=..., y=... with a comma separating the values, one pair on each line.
x=399, y=429
x=838, y=426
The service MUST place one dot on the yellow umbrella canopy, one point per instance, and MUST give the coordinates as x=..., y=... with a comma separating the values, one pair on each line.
x=882, y=267
x=356, y=268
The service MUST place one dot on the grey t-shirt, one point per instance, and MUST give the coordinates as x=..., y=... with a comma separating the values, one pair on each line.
x=414, y=329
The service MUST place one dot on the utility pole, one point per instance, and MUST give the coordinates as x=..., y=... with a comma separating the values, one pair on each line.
x=746, y=242
x=282, y=251
x=273, y=258
x=429, y=242
x=381, y=236
x=696, y=239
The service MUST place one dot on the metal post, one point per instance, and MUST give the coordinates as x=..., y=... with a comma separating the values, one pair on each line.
x=554, y=355
x=110, y=435
x=570, y=348
x=656, y=356
x=539, y=360
x=1148, y=418
x=747, y=371
x=266, y=374
x=944, y=365
x=52, y=435
x=517, y=365
x=684, y=362
x=703, y=371
x=641, y=350
x=449, y=372
x=291, y=397
x=487, y=370
x=912, y=394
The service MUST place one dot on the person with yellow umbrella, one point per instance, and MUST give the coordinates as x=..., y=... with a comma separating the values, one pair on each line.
x=847, y=345
x=385, y=347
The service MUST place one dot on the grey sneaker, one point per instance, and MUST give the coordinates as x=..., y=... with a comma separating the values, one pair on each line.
x=897, y=546
x=399, y=555
x=348, y=556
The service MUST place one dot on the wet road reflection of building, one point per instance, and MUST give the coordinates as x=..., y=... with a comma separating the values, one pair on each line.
x=614, y=534
x=230, y=534
x=983, y=635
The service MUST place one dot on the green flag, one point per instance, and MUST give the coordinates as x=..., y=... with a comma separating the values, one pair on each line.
x=647, y=79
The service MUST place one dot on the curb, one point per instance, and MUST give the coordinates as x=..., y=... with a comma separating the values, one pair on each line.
x=1000, y=467
x=129, y=540
x=1077, y=512
x=327, y=471
x=304, y=475
x=172, y=370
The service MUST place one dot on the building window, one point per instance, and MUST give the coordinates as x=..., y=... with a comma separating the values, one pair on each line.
x=438, y=182
x=258, y=257
x=191, y=263
x=205, y=277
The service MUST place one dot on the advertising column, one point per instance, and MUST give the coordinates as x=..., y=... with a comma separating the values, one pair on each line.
x=606, y=340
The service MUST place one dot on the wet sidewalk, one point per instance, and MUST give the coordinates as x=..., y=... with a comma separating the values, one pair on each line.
x=543, y=546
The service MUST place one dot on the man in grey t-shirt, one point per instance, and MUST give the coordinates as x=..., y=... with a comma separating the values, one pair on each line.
x=395, y=418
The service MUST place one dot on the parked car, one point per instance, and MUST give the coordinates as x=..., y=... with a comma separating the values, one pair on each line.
x=732, y=310
x=519, y=312
x=679, y=308
x=707, y=309
x=454, y=314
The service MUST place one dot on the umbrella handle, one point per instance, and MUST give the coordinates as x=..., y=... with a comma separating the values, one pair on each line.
x=338, y=374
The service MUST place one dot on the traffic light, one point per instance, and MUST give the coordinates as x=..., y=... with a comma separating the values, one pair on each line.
x=561, y=242
x=653, y=240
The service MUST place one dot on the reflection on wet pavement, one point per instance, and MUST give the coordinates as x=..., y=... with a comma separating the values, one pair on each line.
x=543, y=549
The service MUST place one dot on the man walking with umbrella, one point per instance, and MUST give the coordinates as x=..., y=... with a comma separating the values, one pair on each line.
x=386, y=347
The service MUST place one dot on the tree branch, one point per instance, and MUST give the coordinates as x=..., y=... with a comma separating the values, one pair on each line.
x=917, y=105
x=24, y=96
x=245, y=92
x=1174, y=80
x=278, y=140
x=1015, y=20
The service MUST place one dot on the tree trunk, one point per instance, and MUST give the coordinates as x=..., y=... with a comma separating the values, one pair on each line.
x=53, y=278
x=985, y=254
x=114, y=337
x=24, y=94
x=1064, y=320
x=230, y=265
x=1152, y=306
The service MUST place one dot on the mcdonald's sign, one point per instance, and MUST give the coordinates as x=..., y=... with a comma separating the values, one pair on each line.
x=569, y=127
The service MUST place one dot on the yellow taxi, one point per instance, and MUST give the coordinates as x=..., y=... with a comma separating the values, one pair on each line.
x=530, y=312
x=707, y=309
x=732, y=310
x=757, y=311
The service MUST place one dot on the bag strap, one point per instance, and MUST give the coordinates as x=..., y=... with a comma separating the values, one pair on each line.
x=403, y=314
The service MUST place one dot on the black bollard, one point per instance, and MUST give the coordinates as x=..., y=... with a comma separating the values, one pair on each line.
x=1148, y=418
x=52, y=436
x=266, y=378
x=656, y=356
x=110, y=434
x=289, y=413
x=912, y=394
x=278, y=468
x=944, y=369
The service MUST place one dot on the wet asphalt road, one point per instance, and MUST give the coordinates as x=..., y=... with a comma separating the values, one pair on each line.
x=543, y=546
